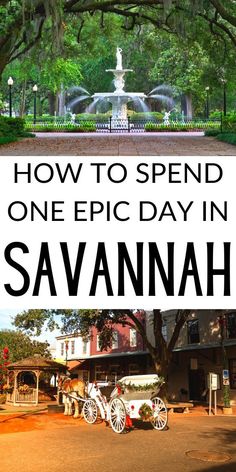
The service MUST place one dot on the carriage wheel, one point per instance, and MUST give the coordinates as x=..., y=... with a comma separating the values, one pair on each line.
x=160, y=415
x=117, y=415
x=90, y=411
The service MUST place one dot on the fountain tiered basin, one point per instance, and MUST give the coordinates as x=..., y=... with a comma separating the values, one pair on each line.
x=119, y=98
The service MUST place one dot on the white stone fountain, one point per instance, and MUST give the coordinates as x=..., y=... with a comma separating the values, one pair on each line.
x=119, y=98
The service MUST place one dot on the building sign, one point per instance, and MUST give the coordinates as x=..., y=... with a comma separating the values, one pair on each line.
x=225, y=374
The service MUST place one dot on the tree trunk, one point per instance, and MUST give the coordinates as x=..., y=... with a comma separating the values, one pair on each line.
x=4, y=60
x=53, y=103
x=40, y=107
x=23, y=98
x=61, y=102
x=162, y=368
x=187, y=105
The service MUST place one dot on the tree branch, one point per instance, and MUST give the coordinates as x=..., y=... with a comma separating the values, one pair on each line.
x=141, y=330
x=30, y=44
x=223, y=12
x=181, y=317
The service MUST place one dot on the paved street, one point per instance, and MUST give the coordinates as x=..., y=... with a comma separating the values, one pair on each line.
x=141, y=144
x=74, y=446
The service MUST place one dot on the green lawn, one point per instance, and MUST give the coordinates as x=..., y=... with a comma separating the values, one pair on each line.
x=8, y=139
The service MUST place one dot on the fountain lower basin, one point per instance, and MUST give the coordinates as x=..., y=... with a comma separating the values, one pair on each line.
x=119, y=102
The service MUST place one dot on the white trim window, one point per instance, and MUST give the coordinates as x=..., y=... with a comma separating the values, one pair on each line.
x=72, y=347
x=193, y=331
x=100, y=374
x=115, y=340
x=98, y=343
x=133, y=337
x=84, y=347
x=62, y=349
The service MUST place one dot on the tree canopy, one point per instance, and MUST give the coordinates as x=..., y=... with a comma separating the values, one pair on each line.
x=60, y=43
x=22, y=23
x=21, y=346
x=72, y=321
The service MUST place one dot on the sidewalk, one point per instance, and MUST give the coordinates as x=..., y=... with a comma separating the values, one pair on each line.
x=8, y=410
x=197, y=410
x=119, y=144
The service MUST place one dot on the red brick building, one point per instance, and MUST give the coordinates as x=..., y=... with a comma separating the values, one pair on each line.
x=127, y=355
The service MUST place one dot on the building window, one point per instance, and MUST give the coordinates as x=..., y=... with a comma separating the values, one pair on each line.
x=133, y=337
x=231, y=325
x=232, y=373
x=134, y=369
x=113, y=374
x=100, y=374
x=85, y=344
x=98, y=343
x=164, y=332
x=115, y=340
x=62, y=349
x=72, y=347
x=193, y=331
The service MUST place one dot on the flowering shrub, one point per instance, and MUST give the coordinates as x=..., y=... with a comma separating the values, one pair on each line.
x=24, y=389
x=4, y=361
x=7, y=388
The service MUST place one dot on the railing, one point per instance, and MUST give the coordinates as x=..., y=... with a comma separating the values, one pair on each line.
x=129, y=125
x=10, y=397
x=27, y=397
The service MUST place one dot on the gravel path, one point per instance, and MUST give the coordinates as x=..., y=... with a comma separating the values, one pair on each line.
x=169, y=144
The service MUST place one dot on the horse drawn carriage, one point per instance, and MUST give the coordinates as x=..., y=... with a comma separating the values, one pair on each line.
x=134, y=397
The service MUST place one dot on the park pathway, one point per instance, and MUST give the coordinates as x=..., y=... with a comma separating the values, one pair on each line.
x=167, y=144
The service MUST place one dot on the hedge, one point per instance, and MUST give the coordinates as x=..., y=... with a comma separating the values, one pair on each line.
x=86, y=127
x=177, y=126
x=11, y=126
x=227, y=138
x=212, y=132
x=229, y=122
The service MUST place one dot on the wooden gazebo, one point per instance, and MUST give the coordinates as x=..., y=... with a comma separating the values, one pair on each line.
x=24, y=376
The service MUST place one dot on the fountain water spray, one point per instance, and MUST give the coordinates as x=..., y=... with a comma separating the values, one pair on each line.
x=119, y=98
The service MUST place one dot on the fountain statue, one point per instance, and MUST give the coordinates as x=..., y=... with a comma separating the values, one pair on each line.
x=119, y=98
x=118, y=59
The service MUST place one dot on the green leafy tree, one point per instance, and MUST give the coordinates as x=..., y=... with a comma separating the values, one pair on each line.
x=21, y=346
x=64, y=43
x=14, y=346
x=56, y=75
x=160, y=349
x=23, y=23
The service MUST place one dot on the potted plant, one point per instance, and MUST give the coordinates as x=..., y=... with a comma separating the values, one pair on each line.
x=227, y=409
x=24, y=389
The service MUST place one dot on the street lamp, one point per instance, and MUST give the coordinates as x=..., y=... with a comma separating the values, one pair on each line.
x=35, y=89
x=10, y=83
x=207, y=101
x=224, y=82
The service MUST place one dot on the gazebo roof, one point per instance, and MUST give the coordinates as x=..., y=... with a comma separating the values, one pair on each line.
x=37, y=362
